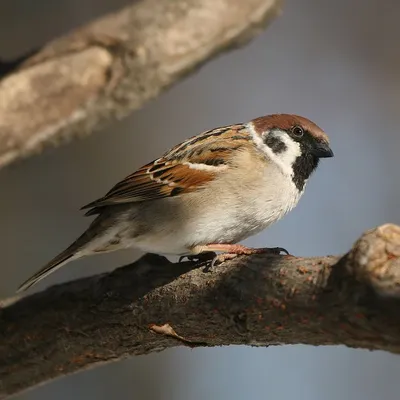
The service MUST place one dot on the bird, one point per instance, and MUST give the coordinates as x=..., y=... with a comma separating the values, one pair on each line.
x=206, y=194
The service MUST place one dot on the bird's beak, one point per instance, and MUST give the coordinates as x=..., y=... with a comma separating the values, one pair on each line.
x=322, y=150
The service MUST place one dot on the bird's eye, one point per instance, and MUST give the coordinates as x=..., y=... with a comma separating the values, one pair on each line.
x=298, y=131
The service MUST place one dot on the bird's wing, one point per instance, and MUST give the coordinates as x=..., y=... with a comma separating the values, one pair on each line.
x=185, y=168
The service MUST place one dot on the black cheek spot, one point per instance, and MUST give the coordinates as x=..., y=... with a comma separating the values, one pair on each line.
x=275, y=144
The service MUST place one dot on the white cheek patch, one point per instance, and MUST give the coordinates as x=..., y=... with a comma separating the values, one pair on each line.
x=292, y=151
x=284, y=159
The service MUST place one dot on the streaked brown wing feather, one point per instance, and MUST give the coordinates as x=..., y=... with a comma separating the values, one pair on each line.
x=165, y=181
x=185, y=168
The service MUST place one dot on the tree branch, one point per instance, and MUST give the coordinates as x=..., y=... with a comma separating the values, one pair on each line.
x=255, y=300
x=114, y=65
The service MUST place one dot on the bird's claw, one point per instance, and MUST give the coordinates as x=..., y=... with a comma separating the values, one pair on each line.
x=218, y=259
x=209, y=258
x=277, y=251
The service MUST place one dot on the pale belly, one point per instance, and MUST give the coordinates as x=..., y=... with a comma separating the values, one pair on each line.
x=212, y=217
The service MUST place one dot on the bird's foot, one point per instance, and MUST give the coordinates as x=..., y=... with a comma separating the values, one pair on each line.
x=199, y=258
x=239, y=249
x=233, y=250
x=219, y=259
x=208, y=256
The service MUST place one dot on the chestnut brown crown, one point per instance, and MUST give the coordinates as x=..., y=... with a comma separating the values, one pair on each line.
x=286, y=122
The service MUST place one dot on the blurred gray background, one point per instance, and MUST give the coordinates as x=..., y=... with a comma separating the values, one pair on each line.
x=336, y=62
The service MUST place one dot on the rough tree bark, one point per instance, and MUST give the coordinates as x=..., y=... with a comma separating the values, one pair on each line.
x=255, y=300
x=112, y=66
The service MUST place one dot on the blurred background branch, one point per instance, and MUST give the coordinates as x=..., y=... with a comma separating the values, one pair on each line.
x=114, y=65
x=254, y=300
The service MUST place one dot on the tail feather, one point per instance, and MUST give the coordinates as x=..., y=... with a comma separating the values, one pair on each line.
x=78, y=249
x=56, y=263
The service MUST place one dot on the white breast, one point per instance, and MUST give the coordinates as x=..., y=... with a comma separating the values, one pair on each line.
x=248, y=206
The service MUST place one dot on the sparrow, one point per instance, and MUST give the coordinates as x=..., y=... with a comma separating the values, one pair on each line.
x=206, y=194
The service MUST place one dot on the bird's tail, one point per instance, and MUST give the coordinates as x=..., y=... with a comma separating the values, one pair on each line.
x=57, y=262
x=90, y=242
x=73, y=252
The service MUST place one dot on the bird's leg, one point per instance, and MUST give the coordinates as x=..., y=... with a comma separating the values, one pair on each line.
x=233, y=250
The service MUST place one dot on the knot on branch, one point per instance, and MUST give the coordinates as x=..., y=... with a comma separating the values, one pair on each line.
x=374, y=259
